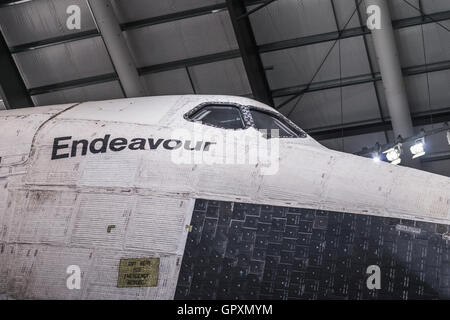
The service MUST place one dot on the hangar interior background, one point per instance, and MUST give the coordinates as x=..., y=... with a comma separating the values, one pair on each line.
x=318, y=60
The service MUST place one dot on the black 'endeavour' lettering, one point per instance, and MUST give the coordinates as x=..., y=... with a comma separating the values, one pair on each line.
x=62, y=149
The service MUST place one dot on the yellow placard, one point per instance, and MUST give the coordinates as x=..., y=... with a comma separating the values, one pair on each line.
x=138, y=272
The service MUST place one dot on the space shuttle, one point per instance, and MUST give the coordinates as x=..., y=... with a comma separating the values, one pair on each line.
x=208, y=197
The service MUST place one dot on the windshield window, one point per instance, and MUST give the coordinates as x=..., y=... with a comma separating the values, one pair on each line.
x=267, y=121
x=226, y=117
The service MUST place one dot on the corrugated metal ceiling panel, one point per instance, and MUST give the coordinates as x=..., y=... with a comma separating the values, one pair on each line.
x=431, y=6
x=410, y=45
x=401, y=10
x=102, y=91
x=297, y=65
x=437, y=42
x=440, y=89
x=411, y=49
x=417, y=91
x=323, y=109
x=225, y=77
x=131, y=10
x=168, y=82
x=63, y=62
x=344, y=12
x=288, y=19
x=38, y=20
x=182, y=39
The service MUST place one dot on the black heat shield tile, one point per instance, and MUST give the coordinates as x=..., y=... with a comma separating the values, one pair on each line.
x=250, y=251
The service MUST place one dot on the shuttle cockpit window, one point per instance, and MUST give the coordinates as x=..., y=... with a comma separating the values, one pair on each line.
x=267, y=121
x=222, y=116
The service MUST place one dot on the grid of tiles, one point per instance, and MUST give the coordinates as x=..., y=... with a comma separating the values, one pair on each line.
x=250, y=251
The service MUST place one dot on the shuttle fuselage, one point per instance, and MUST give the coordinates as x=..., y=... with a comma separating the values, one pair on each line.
x=147, y=205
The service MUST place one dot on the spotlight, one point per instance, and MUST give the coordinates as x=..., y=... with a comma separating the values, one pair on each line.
x=376, y=157
x=393, y=154
x=418, y=149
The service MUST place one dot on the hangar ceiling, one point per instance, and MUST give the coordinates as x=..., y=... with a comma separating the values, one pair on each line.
x=190, y=46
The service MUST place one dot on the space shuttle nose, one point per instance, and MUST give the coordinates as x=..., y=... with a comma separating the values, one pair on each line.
x=424, y=195
x=413, y=194
x=360, y=185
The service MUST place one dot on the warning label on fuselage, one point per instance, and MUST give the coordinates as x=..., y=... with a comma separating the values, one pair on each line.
x=138, y=272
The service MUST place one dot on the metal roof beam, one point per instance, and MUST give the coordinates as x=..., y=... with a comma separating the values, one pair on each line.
x=8, y=3
x=190, y=62
x=249, y=51
x=385, y=46
x=372, y=69
x=103, y=78
x=436, y=156
x=54, y=41
x=13, y=89
x=117, y=48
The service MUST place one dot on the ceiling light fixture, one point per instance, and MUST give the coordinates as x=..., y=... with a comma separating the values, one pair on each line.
x=418, y=148
x=393, y=154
